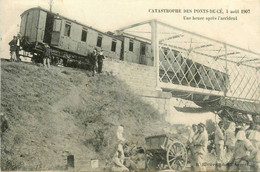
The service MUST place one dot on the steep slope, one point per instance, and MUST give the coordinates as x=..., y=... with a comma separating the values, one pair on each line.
x=53, y=113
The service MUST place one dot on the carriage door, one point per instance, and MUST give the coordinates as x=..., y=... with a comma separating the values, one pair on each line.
x=142, y=59
x=56, y=31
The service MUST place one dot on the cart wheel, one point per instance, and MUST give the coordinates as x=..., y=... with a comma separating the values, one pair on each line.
x=154, y=163
x=176, y=156
x=150, y=163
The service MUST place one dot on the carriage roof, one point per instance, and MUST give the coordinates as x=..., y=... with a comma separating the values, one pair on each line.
x=74, y=21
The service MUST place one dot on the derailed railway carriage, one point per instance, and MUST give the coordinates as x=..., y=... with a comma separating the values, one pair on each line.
x=70, y=41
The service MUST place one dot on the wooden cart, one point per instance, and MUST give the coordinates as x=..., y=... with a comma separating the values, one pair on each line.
x=163, y=152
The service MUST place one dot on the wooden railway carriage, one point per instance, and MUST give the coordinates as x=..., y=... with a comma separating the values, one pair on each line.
x=162, y=152
x=69, y=40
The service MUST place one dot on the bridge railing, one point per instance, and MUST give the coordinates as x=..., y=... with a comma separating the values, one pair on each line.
x=193, y=63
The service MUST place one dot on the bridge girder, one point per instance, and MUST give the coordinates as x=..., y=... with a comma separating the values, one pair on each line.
x=203, y=65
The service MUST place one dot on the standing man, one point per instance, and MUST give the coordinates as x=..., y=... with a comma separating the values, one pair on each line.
x=119, y=157
x=121, y=140
x=200, y=147
x=250, y=129
x=219, y=143
x=191, y=142
x=13, y=48
x=230, y=138
x=93, y=61
x=253, y=135
x=195, y=131
x=100, y=58
x=244, y=154
x=19, y=37
x=46, y=55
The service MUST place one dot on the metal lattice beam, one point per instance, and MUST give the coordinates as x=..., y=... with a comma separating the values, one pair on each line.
x=192, y=63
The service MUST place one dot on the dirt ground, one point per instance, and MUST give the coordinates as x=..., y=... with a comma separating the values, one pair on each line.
x=56, y=112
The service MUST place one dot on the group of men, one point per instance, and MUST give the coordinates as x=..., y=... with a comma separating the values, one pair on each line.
x=246, y=150
x=96, y=58
x=15, y=45
x=243, y=145
x=96, y=61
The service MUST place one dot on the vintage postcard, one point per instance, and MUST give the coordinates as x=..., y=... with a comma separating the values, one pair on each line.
x=131, y=85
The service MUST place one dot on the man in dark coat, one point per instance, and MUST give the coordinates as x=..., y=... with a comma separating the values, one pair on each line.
x=18, y=43
x=13, y=48
x=100, y=61
x=46, y=55
x=93, y=61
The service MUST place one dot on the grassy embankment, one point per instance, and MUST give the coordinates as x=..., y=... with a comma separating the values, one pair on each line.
x=55, y=112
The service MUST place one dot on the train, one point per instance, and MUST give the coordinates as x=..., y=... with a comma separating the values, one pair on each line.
x=72, y=42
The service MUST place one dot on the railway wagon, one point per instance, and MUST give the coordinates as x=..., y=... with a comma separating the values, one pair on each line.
x=72, y=42
x=136, y=51
x=68, y=39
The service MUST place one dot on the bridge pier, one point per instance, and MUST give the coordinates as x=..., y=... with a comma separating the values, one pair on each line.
x=159, y=100
x=141, y=81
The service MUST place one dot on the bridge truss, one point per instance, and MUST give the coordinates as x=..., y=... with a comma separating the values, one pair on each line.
x=209, y=72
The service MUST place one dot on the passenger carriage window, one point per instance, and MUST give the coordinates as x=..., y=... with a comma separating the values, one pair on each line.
x=84, y=35
x=99, y=40
x=131, y=45
x=142, y=49
x=113, y=46
x=57, y=25
x=67, y=29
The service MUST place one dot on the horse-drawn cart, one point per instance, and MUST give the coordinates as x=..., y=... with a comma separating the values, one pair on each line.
x=163, y=152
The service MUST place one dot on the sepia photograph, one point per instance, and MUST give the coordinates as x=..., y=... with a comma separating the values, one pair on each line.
x=130, y=85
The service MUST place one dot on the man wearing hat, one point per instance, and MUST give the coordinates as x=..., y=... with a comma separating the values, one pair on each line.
x=46, y=55
x=13, y=48
x=93, y=61
x=219, y=143
x=191, y=145
x=253, y=135
x=200, y=147
x=100, y=58
x=230, y=138
x=244, y=154
x=19, y=37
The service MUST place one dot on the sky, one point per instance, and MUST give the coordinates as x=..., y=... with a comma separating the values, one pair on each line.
x=109, y=15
